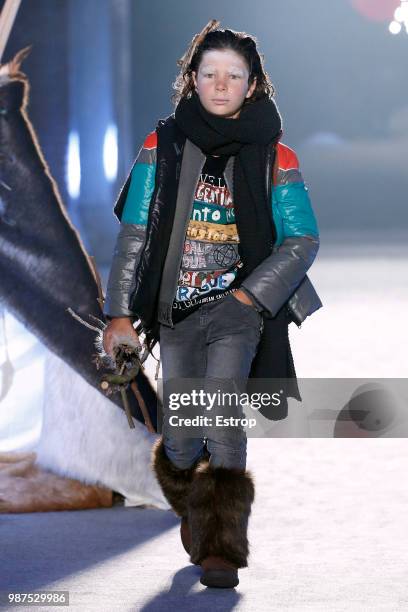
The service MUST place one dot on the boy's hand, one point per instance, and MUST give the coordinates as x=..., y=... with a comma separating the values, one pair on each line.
x=243, y=297
x=120, y=331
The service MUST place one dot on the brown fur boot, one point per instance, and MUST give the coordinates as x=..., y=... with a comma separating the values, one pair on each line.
x=219, y=505
x=175, y=484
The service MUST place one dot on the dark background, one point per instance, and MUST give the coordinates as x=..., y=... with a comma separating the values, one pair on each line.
x=340, y=78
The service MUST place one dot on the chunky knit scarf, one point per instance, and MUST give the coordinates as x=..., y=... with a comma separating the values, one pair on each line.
x=258, y=126
x=247, y=138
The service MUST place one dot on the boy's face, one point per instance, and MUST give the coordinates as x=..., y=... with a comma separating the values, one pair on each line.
x=222, y=82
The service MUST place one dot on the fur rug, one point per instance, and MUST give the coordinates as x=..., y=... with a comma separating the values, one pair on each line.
x=87, y=437
x=44, y=266
x=44, y=269
x=25, y=487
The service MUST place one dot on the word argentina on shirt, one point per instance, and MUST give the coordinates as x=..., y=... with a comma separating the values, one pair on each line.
x=210, y=259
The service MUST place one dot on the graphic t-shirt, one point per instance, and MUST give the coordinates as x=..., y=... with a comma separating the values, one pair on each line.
x=210, y=259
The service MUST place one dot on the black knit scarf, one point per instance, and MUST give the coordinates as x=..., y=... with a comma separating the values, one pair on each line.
x=247, y=137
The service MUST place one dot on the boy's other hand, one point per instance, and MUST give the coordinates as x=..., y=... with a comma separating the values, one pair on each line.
x=243, y=297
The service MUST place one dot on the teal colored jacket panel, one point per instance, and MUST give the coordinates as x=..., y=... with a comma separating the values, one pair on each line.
x=291, y=207
x=292, y=211
x=142, y=181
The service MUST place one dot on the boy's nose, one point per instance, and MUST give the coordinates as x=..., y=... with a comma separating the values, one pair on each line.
x=220, y=84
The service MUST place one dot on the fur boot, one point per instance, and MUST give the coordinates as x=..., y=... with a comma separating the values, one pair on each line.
x=219, y=505
x=175, y=484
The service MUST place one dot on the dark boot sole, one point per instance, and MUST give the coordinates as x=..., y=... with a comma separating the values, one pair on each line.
x=220, y=579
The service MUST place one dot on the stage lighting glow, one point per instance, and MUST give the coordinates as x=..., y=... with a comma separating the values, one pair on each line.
x=73, y=175
x=110, y=152
x=399, y=14
x=375, y=10
x=400, y=17
x=394, y=27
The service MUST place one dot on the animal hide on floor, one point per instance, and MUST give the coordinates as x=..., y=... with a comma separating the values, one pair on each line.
x=25, y=487
x=85, y=436
x=44, y=267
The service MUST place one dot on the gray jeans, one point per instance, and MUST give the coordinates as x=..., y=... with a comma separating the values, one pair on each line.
x=217, y=344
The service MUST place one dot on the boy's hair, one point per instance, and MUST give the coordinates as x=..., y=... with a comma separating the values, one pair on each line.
x=212, y=38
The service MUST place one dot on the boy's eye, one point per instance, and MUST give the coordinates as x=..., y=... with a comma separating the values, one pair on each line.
x=233, y=76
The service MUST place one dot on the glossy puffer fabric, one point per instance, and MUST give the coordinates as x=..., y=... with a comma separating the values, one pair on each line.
x=128, y=248
x=141, y=187
x=130, y=240
x=280, y=278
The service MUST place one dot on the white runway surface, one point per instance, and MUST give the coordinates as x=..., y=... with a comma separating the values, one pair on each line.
x=362, y=330
x=328, y=529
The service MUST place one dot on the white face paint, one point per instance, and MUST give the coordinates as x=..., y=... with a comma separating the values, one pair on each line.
x=222, y=82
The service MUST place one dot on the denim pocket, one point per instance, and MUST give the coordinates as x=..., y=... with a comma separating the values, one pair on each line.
x=243, y=305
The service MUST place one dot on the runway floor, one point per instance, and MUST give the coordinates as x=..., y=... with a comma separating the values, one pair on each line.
x=328, y=531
